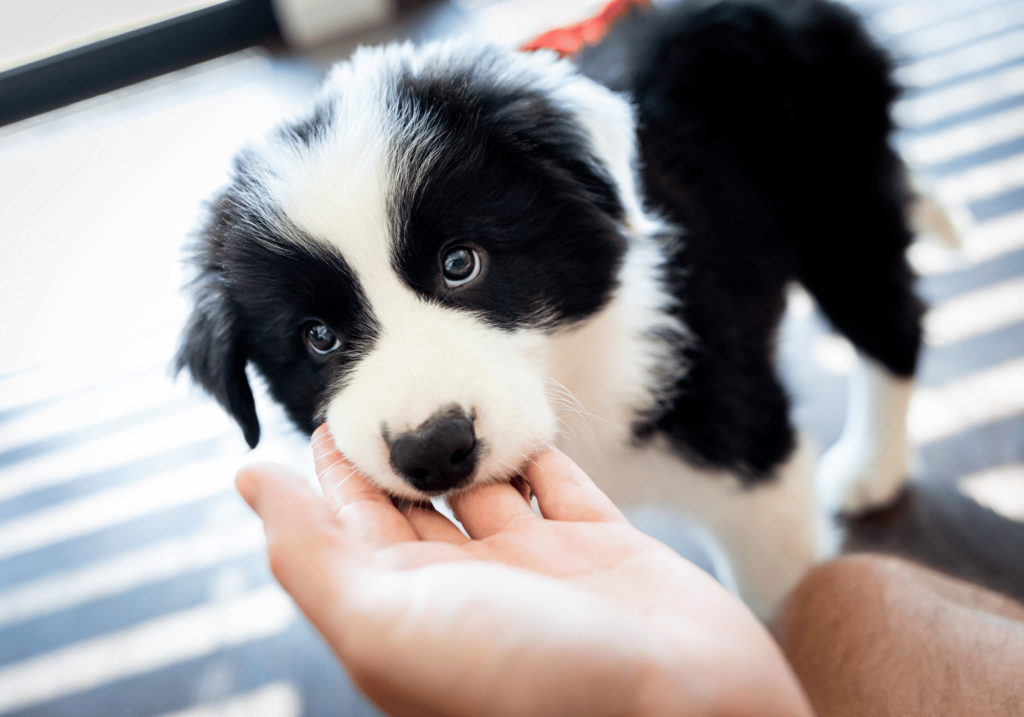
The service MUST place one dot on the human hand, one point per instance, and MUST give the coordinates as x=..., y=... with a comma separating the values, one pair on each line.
x=573, y=613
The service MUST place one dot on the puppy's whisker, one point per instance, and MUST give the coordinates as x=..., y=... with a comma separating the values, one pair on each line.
x=584, y=412
x=563, y=422
x=319, y=442
x=329, y=468
x=568, y=396
x=571, y=402
x=561, y=387
x=340, y=483
x=313, y=445
x=584, y=418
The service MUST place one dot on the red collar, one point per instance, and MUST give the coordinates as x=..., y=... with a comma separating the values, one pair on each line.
x=570, y=39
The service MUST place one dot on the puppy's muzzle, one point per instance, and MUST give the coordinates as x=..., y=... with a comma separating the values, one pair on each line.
x=438, y=455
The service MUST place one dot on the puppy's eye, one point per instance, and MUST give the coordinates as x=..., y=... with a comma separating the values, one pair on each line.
x=321, y=339
x=460, y=266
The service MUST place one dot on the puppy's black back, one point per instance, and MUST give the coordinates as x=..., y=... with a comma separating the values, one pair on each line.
x=764, y=133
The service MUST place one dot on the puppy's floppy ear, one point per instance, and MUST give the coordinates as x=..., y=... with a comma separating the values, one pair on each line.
x=212, y=349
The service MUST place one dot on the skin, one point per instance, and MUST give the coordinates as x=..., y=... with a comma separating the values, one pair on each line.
x=873, y=635
x=578, y=613
x=575, y=612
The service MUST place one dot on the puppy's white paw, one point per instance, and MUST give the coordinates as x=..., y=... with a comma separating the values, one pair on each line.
x=850, y=481
x=871, y=491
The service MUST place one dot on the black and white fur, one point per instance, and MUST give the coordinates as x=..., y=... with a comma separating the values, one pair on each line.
x=634, y=250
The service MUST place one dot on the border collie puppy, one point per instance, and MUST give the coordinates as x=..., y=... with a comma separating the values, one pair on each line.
x=465, y=253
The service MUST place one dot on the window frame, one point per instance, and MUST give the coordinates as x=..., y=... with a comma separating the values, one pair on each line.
x=139, y=54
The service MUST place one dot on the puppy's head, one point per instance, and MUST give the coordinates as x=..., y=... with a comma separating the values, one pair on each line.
x=397, y=263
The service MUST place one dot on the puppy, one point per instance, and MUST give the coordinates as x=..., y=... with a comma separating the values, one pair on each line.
x=465, y=253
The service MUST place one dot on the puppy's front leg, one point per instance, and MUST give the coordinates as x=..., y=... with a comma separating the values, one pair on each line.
x=868, y=465
x=763, y=538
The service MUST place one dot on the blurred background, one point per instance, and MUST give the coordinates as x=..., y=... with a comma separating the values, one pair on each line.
x=132, y=578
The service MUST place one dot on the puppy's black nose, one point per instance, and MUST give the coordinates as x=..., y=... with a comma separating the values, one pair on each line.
x=439, y=454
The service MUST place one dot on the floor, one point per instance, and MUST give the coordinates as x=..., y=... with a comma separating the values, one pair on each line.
x=132, y=578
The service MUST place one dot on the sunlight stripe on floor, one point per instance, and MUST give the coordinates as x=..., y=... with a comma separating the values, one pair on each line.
x=152, y=352
x=911, y=16
x=937, y=38
x=85, y=410
x=149, y=646
x=278, y=699
x=979, y=243
x=966, y=138
x=977, y=56
x=1000, y=488
x=960, y=97
x=131, y=570
x=994, y=238
x=73, y=519
x=982, y=182
x=179, y=430
x=990, y=395
x=977, y=312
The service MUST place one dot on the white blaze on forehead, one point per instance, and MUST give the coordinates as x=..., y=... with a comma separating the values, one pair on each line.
x=337, y=192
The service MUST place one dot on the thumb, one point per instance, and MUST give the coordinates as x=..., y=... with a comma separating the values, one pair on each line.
x=304, y=544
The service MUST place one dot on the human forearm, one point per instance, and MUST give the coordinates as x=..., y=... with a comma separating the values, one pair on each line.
x=881, y=636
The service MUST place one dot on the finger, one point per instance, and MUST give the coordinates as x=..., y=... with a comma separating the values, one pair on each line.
x=431, y=525
x=488, y=509
x=361, y=506
x=341, y=482
x=302, y=538
x=565, y=492
x=519, y=483
x=310, y=554
x=281, y=498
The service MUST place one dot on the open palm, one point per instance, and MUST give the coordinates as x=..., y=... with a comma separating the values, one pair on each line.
x=575, y=612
